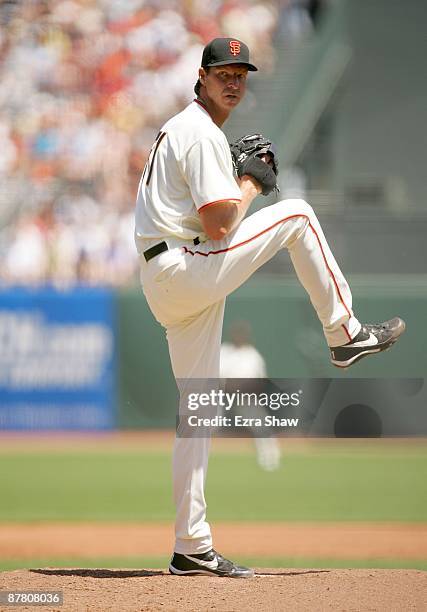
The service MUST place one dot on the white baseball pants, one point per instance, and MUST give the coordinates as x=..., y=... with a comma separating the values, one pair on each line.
x=186, y=288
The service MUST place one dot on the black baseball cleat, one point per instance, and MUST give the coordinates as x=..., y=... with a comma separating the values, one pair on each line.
x=371, y=339
x=210, y=563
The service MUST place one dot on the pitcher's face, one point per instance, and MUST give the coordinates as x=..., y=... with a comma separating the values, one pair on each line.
x=225, y=85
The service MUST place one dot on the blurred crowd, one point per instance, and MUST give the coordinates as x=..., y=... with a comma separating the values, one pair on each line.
x=84, y=87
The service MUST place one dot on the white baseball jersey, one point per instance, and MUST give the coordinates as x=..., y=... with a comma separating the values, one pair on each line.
x=189, y=167
x=246, y=362
x=241, y=362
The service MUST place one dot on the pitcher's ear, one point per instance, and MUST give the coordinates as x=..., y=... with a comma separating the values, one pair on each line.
x=202, y=75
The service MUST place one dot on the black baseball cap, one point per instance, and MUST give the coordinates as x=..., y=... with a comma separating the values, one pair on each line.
x=222, y=51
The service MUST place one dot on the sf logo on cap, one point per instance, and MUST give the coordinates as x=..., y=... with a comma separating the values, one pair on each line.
x=234, y=47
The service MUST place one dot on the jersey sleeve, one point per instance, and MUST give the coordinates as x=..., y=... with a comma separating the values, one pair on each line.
x=208, y=170
x=261, y=366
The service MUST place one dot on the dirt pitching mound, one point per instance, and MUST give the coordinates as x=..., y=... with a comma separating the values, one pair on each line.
x=272, y=590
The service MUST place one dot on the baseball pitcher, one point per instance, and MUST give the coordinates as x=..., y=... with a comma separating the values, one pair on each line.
x=196, y=246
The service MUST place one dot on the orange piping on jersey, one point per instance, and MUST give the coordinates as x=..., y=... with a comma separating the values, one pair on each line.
x=203, y=106
x=186, y=250
x=345, y=329
x=332, y=274
x=219, y=202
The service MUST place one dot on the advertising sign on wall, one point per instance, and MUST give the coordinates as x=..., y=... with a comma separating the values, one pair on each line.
x=57, y=355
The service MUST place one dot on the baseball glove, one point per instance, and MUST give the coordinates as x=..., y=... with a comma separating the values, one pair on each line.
x=247, y=153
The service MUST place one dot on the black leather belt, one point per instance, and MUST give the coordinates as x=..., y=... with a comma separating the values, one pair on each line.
x=155, y=250
x=160, y=248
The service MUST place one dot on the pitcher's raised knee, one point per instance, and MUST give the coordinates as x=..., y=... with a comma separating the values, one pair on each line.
x=296, y=206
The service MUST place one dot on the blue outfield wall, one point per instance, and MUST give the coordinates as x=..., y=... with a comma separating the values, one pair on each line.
x=57, y=359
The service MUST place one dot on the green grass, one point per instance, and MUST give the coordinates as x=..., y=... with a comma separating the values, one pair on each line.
x=321, y=488
x=162, y=563
x=388, y=484
x=86, y=486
